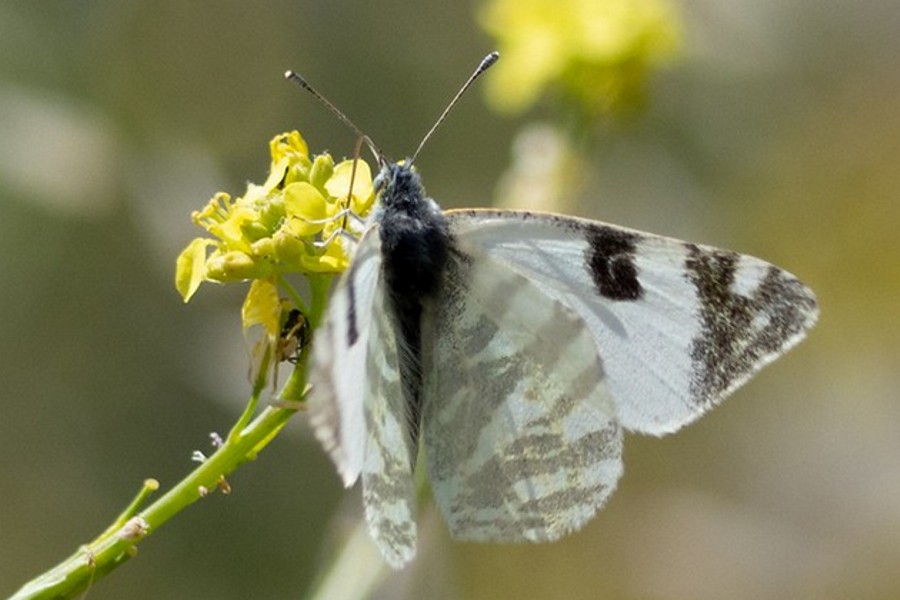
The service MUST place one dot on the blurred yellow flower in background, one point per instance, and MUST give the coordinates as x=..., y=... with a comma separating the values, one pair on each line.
x=595, y=53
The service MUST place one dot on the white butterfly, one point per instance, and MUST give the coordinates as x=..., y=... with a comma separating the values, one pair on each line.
x=516, y=347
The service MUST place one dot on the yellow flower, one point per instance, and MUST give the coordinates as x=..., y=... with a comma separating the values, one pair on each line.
x=306, y=209
x=289, y=224
x=596, y=53
x=363, y=194
x=190, y=268
x=289, y=146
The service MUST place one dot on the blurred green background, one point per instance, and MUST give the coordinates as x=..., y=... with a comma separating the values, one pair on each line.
x=777, y=134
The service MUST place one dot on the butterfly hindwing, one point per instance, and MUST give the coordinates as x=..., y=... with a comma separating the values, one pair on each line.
x=678, y=326
x=520, y=434
x=388, y=488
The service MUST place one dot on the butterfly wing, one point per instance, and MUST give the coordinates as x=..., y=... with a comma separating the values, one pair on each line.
x=341, y=349
x=356, y=402
x=678, y=326
x=520, y=435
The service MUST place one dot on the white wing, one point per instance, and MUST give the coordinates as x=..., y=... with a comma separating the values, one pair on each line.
x=339, y=373
x=388, y=490
x=520, y=434
x=356, y=402
x=679, y=326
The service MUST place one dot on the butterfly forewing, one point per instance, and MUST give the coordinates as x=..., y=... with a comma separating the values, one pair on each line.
x=520, y=435
x=341, y=358
x=678, y=326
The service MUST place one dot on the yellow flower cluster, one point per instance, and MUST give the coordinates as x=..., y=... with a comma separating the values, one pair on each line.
x=289, y=224
x=596, y=53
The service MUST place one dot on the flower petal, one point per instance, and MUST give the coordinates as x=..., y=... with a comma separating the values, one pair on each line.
x=190, y=267
x=303, y=205
x=363, y=192
x=262, y=306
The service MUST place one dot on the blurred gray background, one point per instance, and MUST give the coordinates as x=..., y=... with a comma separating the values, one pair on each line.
x=777, y=134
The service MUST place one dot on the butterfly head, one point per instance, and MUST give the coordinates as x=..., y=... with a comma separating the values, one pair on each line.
x=413, y=232
x=398, y=186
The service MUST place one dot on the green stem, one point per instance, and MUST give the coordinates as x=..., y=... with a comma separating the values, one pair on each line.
x=150, y=486
x=318, y=289
x=357, y=569
x=258, y=385
x=294, y=297
x=118, y=543
x=295, y=387
x=354, y=572
x=93, y=561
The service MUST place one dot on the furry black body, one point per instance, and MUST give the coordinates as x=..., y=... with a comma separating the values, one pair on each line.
x=415, y=245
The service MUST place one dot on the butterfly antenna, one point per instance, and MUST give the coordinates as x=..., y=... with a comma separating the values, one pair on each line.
x=486, y=63
x=299, y=80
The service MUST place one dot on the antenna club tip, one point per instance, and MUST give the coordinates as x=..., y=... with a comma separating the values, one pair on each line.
x=288, y=74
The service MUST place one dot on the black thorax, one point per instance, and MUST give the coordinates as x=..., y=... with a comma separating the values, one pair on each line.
x=414, y=245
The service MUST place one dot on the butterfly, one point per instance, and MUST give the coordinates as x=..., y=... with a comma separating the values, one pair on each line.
x=516, y=348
